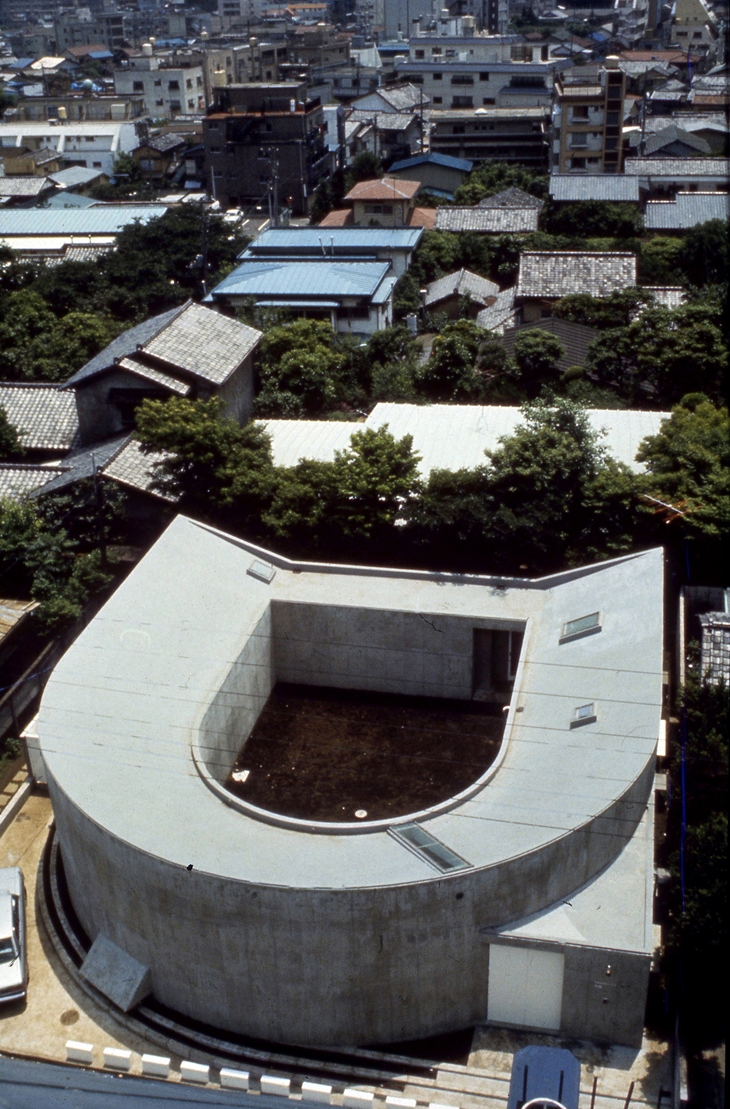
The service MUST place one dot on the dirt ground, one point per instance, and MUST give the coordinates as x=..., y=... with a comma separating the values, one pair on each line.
x=329, y=754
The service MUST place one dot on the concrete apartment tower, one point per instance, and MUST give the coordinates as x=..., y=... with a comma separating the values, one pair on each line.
x=588, y=114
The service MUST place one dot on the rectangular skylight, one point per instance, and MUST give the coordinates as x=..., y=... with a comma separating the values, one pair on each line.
x=423, y=844
x=584, y=714
x=584, y=625
x=261, y=570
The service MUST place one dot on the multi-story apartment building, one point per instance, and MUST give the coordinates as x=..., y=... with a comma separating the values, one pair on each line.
x=94, y=145
x=266, y=145
x=516, y=135
x=471, y=70
x=106, y=27
x=168, y=90
x=588, y=114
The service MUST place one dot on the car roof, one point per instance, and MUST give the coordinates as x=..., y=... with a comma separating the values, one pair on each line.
x=6, y=914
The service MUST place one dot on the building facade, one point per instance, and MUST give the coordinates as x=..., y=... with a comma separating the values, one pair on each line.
x=168, y=90
x=588, y=113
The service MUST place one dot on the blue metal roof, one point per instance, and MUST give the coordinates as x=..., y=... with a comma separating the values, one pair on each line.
x=322, y=239
x=104, y=219
x=444, y=160
x=330, y=280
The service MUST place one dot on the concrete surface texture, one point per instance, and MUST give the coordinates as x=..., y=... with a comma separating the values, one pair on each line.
x=279, y=930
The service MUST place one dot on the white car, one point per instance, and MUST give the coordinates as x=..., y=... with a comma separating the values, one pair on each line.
x=13, y=961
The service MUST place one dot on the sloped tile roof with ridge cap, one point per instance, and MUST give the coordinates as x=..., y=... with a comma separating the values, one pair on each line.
x=489, y=221
x=45, y=415
x=686, y=210
x=461, y=283
x=512, y=198
x=203, y=342
x=124, y=345
x=23, y=186
x=679, y=167
x=575, y=338
x=593, y=186
x=402, y=97
x=555, y=274
x=673, y=133
x=149, y=373
x=501, y=314
x=669, y=296
x=130, y=466
x=18, y=481
x=387, y=188
x=85, y=462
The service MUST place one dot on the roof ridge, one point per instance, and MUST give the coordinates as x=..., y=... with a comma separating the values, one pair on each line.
x=165, y=325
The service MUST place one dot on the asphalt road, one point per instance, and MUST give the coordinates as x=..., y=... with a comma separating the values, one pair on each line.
x=28, y=1085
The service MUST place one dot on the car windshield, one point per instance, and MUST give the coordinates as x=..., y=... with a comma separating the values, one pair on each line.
x=7, y=949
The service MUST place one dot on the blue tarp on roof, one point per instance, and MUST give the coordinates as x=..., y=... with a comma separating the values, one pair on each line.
x=445, y=160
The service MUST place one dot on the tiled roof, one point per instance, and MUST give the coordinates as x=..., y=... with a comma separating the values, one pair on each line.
x=75, y=175
x=669, y=296
x=388, y=188
x=501, y=314
x=671, y=134
x=130, y=466
x=84, y=463
x=203, y=343
x=164, y=143
x=422, y=217
x=149, y=373
x=444, y=160
x=575, y=337
x=338, y=217
x=23, y=186
x=45, y=415
x=389, y=121
x=18, y=481
x=125, y=344
x=490, y=221
x=512, y=198
x=461, y=283
x=686, y=210
x=679, y=167
x=402, y=97
x=555, y=274
x=593, y=186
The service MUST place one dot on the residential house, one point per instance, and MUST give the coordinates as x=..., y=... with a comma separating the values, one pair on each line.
x=389, y=202
x=52, y=232
x=487, y=221
x=404, y=97
x=439, y=174
x=566, y=188
x=356, y=297
x=671, y=141
x=516, y=135
x=353, y=244
x=460, y=294
x=24, y=191
x=575, y=338
x=266, y=144
x=667, y=176
x=44, y=417
x=588, y=117
x=189, y=351
x=685, y=211
x=91, y=144
x=160, y=154
x=547, y=276
x=395, y=135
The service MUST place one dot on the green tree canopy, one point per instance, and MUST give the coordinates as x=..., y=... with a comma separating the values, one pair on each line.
x=599, y=218
x=10, y=444
x=537, y=354
x=304, y=369
x=704, y=256
x=489, y=178
x=453, y=371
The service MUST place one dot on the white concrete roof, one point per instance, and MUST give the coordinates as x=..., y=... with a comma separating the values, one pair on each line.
x=124, y=705
x=450, y=436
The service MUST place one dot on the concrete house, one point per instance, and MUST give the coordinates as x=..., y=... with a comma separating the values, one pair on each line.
x=546, y=276
x=190, y=351
x=523, y=899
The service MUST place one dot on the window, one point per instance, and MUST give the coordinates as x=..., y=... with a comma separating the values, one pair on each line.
x=459, y=129
x=138, y=86
x=489, y=100
x=462, y=102
x=422, y=843
x=158, y=84
x=580, y=113
x=438, y=99
x=199, y=81
x=189, y=83
x=420, y=54
x=584, y=714
x=379, y=209
x=438, y=76
x=483, y=76
x=173, y=86
x=89, y=138
x=462, y=79
x=583, y=625
x=96, y=165
x=175, y=106
x=191, y=103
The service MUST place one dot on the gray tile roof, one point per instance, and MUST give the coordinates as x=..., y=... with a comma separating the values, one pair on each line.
x=501, y=314
x=555, y=274
x=387, y=121
x=686, y=210
x=461, y=283
x=82, y=463
x=669, y=296
x=19, y=481
x=403, y=97
x=124, y=345
x=149, y=373
x=493, y=221
x=75, y=175
x=204, y=343
x=45, y=415
x=593, y=186
x=512, y=198
x=130, y=466
x=671, y=134
x=23, y=186
x=575, y=337
x=679, y=167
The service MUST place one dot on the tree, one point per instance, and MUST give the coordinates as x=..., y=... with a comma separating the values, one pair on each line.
x=537, y=354
x=390, y=363
x=27, y=321
x=703, y=256
x=215, y=469
x=452, y=372
x=688, y=464
x=659, y=261
x=365, y=166
x=303, y=371
x=72, y=342
x=490, y=178
x=593, y=217
x=618, y=309
x=10, y=444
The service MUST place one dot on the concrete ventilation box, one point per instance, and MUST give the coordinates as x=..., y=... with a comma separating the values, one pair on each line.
x=116, y=974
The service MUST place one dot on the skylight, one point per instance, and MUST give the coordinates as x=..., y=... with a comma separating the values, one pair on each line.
x=584, y=714
x=584, y=625
x=427, y=847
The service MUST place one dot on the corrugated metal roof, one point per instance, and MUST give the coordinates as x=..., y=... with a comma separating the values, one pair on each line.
x=679, y=167
x=449, y=436
x=461, y=283
x=445, y=160
x=75, y=175
x=102, y=219
x=562, y=273
x=593, y=186
x=575, y=338
x=44, y=415
x=311, y=240
x=490, y=221
x=328, y=279
x=687, y=210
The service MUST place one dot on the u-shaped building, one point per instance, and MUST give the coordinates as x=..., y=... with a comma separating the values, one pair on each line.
x=525, y=900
